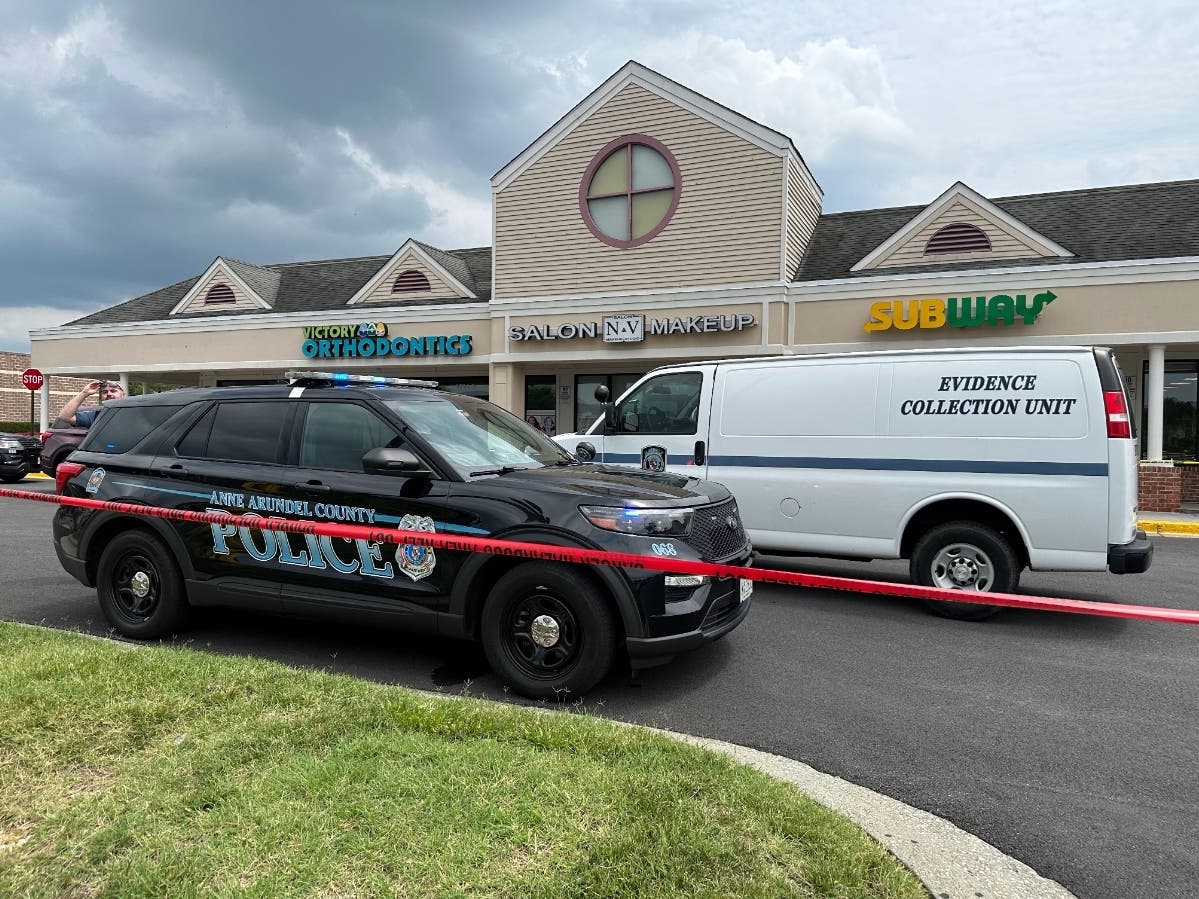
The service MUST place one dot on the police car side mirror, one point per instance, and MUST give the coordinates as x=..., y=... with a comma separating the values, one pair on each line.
x=601, y=393
x=392, y=460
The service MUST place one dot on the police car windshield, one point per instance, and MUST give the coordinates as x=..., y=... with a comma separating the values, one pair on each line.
x=476, y=436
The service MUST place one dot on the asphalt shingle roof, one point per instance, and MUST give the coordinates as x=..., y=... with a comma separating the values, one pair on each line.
x=1142, y=221
x=1104, y=224
x=263, y=281
x=320, y=286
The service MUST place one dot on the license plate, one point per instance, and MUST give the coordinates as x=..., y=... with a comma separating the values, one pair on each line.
x=747, y=587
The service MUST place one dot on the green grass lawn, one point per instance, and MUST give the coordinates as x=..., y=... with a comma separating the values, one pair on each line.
x=157, y=771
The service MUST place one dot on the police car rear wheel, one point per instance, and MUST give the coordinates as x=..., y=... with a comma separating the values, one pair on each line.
x=548, y=631
x=139, y=586
x=962, y=555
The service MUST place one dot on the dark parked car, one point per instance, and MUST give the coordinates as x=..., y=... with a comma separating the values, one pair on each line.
x=18, y=456
x=60, y=441
x=404, y=455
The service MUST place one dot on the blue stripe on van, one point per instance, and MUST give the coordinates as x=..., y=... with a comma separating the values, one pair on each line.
x=1077, y=469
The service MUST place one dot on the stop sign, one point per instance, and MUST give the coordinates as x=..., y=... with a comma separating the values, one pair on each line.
x=32, y=379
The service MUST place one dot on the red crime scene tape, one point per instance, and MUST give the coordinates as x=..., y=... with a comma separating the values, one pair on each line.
x=622, y=560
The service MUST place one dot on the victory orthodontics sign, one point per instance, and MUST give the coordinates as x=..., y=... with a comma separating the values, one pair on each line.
x=371, y=339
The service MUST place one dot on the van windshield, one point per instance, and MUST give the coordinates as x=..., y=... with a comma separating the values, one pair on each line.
x=476, y=436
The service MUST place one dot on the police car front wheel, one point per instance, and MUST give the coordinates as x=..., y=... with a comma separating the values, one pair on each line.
x=139, y=586
x=548, y=631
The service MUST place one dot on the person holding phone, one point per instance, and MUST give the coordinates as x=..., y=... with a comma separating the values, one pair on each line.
x=83, y=418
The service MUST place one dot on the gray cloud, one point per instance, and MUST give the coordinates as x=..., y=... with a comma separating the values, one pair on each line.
x=143, y=139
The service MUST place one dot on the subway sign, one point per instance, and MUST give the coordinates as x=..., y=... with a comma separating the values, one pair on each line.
x=957, y=312
x=371, y=339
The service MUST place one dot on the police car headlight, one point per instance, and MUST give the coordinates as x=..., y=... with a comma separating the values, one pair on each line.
x=9, y=443
x=686, y=580
x=643, y=522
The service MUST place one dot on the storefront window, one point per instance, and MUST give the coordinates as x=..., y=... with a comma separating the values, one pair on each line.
x=476, y=387
x=587, y=407
x=1180, y=411
x=541, y=404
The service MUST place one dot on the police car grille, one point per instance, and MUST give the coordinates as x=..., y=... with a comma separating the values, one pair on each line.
x=711, y=534
x=30, y=446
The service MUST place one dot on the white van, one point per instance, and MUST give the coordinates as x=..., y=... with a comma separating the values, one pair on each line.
x=972, y=463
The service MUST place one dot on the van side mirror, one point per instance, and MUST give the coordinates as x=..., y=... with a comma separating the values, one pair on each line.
x=601, y=393
x=392, y=460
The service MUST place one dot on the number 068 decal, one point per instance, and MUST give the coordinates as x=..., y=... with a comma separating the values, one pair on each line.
x=664, y=549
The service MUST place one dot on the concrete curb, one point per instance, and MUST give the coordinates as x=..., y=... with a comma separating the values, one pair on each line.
x=1164, y=528
x=950, y=862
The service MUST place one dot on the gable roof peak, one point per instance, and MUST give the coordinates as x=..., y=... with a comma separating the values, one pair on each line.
x=956, y=192
x=450, y=268
x=252, y=279
x=633, y=72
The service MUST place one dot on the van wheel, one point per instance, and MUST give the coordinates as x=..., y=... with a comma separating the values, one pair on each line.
x=548, y=631
x=962, y=555
x=139, y=586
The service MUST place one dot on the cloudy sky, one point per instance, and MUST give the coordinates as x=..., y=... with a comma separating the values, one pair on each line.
x=142, y=139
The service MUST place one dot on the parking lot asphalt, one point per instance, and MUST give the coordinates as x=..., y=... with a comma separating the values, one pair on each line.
x=1068, y=742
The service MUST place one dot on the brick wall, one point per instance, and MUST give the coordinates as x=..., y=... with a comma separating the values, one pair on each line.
x=14, y=398
x=1189, y=478
x=1160, y=487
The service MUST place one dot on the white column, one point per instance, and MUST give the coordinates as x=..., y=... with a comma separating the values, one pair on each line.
x=45, y=404
x=123, y=378
x=145, y=387
x=1155, y=399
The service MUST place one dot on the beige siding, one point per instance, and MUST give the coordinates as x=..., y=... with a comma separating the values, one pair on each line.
x=438, y=288
x=220, y=276
x=264, y=347
x=726, y=228
x=803, y=209
x=1005, y=244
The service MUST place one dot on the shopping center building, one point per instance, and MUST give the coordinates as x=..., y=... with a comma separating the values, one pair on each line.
x=651, y=225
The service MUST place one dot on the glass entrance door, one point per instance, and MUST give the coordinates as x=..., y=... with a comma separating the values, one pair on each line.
x=1180, y=411
x=587, y=407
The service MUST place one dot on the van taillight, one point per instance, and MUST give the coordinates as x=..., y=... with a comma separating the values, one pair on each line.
x=1118, y=424
x=63, y=473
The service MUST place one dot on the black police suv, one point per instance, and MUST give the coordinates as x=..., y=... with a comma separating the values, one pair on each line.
x=395, y=454
x=18, y=456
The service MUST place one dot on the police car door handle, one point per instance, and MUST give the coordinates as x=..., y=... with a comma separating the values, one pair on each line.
x=315, y=487
x=173, y=471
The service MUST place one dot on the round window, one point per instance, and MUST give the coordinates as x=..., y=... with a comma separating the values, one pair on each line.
x=630, y=191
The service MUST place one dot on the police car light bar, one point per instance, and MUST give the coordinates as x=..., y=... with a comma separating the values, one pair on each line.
x=341, y=377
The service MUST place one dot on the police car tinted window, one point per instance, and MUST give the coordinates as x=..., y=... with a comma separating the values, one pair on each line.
x=337, y=435
x=237, y=432
x=119, y=430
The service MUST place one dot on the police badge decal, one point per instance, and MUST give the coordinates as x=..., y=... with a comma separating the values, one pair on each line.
x=653, y=458
x=416, y=561
x=94, y=482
